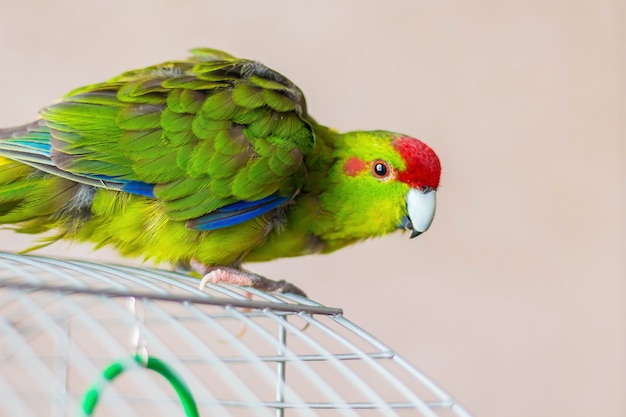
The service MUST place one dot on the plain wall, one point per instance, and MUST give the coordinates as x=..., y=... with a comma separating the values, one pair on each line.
x=514, y=300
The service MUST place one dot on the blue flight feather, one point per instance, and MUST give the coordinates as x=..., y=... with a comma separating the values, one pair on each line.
x=245, y=205
x=138, y=188
x=236, y=213
x=41, y=146
x=132, y=187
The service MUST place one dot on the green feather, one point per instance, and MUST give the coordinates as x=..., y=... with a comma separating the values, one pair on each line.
x=232, y=141
x=205, y=128
x=198, y=164
x=266, y=84
x=277, y=100
x=250, y=116
x=139, y=117
x=136, y=141
x=182, y=100
x=248, y=96
x=222, y=166
x=209, y=54
x=191, y=82
x=183, y=139
x=285, y=163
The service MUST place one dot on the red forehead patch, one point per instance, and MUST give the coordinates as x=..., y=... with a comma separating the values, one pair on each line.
x=423, y=168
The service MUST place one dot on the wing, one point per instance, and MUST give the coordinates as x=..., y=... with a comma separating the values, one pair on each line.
x=218, y=140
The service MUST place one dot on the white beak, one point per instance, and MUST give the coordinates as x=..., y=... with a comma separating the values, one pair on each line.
x=421, y=207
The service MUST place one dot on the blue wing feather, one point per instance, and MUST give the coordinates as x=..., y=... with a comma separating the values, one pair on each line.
x=41, y=146
x=236, y=213
x=139, y=188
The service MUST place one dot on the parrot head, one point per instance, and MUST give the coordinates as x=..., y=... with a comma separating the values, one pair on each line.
x=389, y=182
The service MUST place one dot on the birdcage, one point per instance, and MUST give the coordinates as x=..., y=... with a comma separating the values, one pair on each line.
x=79, y=338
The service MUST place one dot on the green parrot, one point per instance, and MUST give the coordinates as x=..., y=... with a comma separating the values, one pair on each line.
x=207, y=163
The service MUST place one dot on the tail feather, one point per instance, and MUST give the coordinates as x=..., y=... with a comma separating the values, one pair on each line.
x=31, y=144
x=31, y=200
x=23, y=130
x=24, y=189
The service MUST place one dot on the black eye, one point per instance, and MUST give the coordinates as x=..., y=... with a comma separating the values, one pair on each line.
x=380, y=169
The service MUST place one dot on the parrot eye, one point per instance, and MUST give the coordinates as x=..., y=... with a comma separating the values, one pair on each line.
x=380, y=169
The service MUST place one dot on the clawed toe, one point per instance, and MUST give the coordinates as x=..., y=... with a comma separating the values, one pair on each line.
x=217, y=274
x=285, y=287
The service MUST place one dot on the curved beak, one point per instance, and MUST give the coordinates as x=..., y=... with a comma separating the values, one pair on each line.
x=421, y=206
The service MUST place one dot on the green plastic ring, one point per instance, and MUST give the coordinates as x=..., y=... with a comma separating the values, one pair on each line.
x=90, y=399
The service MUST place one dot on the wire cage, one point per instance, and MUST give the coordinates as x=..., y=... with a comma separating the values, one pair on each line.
x=80, y=338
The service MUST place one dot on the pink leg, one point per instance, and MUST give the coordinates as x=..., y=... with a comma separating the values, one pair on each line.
x=217, y=274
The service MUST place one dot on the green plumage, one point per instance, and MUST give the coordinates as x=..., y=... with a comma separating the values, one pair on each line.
x=145, y=160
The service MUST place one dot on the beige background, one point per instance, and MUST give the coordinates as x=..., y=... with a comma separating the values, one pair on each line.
x=514, y=300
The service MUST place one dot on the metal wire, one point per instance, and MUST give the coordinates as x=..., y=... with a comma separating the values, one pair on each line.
x=65, y=325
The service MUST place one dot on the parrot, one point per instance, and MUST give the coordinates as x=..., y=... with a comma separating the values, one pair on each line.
x=207, y=163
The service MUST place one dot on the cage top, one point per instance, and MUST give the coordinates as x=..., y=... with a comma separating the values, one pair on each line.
x=66, y=327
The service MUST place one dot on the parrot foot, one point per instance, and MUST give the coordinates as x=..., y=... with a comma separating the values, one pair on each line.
x=217, y=274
